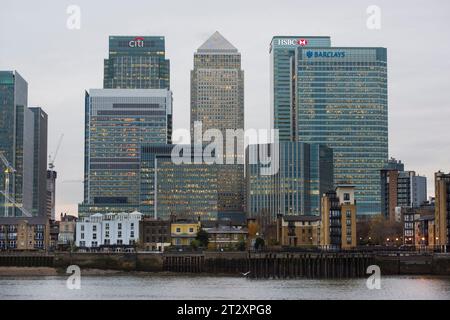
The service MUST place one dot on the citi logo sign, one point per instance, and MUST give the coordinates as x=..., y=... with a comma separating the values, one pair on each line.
x=136, y=42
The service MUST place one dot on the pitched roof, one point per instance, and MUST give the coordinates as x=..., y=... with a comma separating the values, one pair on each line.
x=217, y=44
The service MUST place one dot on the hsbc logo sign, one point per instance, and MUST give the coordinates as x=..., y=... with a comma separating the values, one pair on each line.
x=293, y=42
x=137, y=42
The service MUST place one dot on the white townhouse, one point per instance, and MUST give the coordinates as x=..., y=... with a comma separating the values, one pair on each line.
x=108, y=230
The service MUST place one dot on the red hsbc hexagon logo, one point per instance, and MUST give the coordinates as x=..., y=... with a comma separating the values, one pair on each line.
x=302, y=42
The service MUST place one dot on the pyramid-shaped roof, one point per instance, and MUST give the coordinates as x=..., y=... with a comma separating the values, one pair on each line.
x=217, y=44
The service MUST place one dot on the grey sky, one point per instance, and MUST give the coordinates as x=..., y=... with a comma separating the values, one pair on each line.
x=59, y=64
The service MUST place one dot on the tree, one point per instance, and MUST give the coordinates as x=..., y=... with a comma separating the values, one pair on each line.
x=203, y=238
x=259, y=243
x=241, y=245
x=381, y=229
x=195, y=244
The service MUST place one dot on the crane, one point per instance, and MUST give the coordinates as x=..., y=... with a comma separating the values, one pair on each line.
x=51, y=162
x=8, y=200
x=8, y=171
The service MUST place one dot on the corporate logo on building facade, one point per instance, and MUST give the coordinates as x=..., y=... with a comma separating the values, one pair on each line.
x=325, y=54
x=292, y=42
x=137, y=42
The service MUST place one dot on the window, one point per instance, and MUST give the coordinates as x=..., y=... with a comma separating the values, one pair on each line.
x=191, y=230
x=119, y=226
x=94, y=236
x=348, y=214
x=178, y=230
x=107, y=226
x=82, y=227
x=94, y=228
x=82, y=236
x=119, y=234
x=346, y=196
x=131, y=234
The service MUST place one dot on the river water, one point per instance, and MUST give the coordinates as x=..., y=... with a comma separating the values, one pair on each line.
x=221, y=288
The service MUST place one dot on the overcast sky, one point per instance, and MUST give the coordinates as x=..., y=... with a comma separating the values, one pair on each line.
x=59, y=63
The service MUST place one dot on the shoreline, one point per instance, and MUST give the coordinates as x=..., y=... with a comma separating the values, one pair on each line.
x=51, y=271
x=6, y=272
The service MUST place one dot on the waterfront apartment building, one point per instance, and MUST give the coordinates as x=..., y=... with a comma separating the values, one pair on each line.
x=300, y=174
x=226, y=237
x=335, y=96
x=108, y=230
x=169, y=188
x=401, y=189
x=136, y=62
x=298, y=231
x=154, y=234
x=67, y=229
x=23, y=143
x=338, y=229
x=442, y=209
x=117, y=123
x=28, y=233
x=217, y=101
x=184, y=231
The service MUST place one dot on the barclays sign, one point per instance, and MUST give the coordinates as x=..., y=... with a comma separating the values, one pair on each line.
x=325, y=54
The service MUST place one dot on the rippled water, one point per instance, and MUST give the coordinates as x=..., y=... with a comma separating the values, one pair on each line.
x=181, y=287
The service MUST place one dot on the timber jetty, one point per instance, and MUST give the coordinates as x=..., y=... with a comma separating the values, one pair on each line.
x=255, y=265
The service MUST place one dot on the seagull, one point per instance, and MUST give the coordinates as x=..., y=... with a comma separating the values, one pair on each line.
x=245, y=274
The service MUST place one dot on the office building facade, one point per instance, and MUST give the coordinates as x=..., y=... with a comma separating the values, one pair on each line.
x=337, y=97
x=217, y=101
x=304, y=172
x=182, y=189
x=117, y=123
x=40, y=163
x=136, y=63
x=16, y=143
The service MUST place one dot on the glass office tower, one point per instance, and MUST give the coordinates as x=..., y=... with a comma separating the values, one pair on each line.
x=168, y=188
x=136, y=63
x=342, y=102
x=118, y=122
x=283, y=74
x=16, y=142
x=40, y=163
x=305, y=172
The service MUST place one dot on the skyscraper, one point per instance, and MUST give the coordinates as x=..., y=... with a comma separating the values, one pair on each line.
x=118, y=122
x=40, y=163
x=16, y=141
x=217, y=101
x=283, y=100
x=304, y=172
x=136, y=63
x=338, y=97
